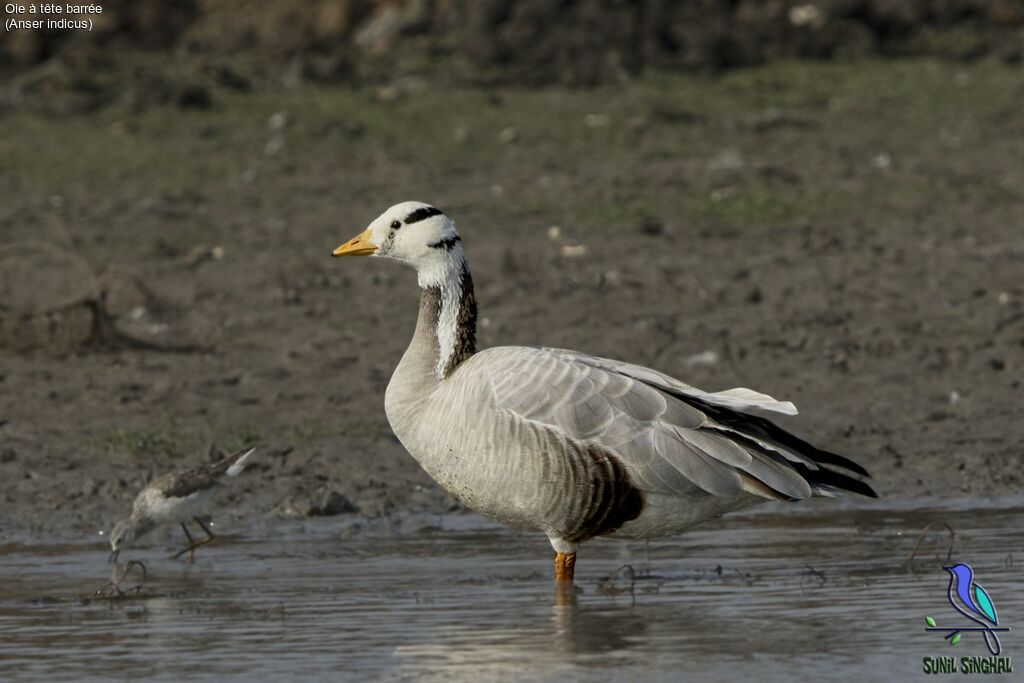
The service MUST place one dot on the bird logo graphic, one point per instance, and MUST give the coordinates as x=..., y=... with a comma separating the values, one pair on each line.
x=972, y=601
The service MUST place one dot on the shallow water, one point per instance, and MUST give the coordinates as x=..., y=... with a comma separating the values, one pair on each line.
x=816, y=591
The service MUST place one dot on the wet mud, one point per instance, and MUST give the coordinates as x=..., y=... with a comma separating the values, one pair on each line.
x=846, y=237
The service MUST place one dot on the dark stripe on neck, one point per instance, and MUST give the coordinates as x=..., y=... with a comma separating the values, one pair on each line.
x=465, y=335
x=447, y=243
x=422, y=214
x=465, y=321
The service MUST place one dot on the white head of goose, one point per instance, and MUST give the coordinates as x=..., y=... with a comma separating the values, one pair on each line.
x=574, y=445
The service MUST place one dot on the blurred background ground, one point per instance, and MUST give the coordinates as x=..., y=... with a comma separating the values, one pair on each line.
x=822, y=201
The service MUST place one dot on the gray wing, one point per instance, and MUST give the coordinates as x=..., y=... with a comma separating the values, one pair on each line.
x=182, y=484
x=668, y=444
x=744, y=400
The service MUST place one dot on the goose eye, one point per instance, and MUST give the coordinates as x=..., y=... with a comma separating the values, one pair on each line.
x=395, y=225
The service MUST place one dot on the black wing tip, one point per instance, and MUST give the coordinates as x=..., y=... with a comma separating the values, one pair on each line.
x=863, y=488
x=836, y=480
x=829, y=458
x=746, y=423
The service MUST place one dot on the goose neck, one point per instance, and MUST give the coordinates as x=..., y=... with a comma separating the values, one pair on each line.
x=445, y=336
x=450, y=315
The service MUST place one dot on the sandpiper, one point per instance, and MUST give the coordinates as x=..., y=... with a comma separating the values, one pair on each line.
x=176, y=497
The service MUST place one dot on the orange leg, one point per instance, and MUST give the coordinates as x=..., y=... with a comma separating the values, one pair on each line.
x=565, y=564
x=565, y=592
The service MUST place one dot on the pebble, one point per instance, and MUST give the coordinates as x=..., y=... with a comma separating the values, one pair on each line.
x=705, y=358
x=277, y=121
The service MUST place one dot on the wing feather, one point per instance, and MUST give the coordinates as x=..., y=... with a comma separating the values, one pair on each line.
x=740, y=398
x=672, y=438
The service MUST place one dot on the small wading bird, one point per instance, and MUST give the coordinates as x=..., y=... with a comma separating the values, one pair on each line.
x=176, y=497
x=573, y=445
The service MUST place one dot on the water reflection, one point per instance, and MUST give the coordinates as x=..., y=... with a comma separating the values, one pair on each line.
x=544, y=644
x=582, y=630
x=812, y=595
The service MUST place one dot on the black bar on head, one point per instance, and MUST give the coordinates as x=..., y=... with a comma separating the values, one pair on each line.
x=421, y=214
x=447, y=244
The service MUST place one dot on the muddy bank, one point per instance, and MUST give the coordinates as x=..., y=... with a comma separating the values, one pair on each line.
x=166, y=51
x=580, y=42
x=845, y=237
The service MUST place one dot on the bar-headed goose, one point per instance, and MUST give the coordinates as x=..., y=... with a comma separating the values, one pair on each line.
x=570, y=444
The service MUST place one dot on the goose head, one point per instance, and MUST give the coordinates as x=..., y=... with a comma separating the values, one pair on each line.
x=416, y=234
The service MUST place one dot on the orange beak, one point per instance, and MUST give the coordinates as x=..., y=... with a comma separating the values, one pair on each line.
x=360, y=245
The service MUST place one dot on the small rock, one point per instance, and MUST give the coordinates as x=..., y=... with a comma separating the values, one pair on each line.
x=322, y=503
x=507, y=136
x=705, y=358
x=610, y=278
x=8, y=454
x=194, y=97
x=806, y=15
x=277, y=121
x=332, y=503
